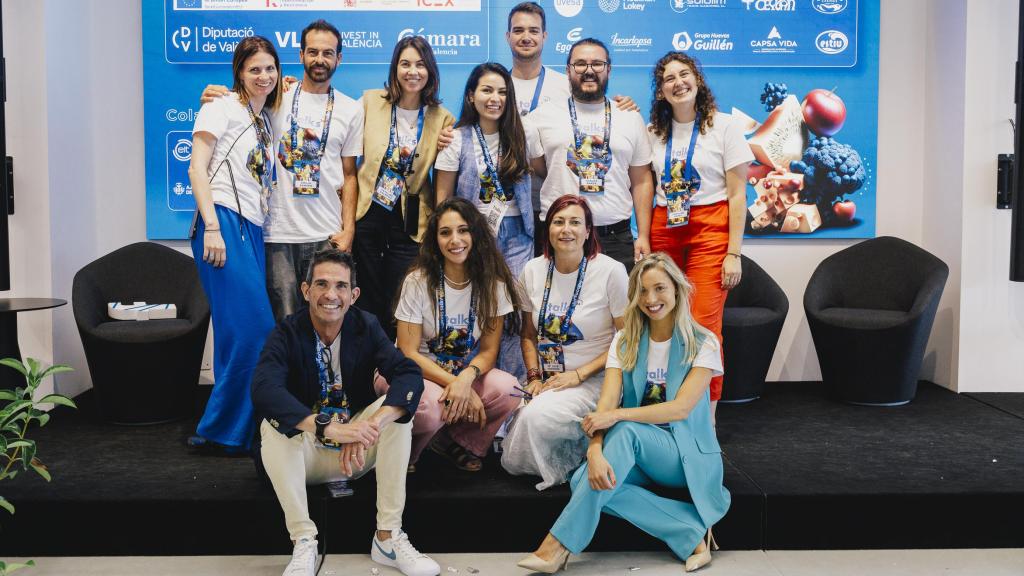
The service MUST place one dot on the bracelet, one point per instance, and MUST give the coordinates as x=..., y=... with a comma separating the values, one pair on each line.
x=736, y=254
x=534, y=374
x=578, y=377
x=476, y=369
x=211, y=230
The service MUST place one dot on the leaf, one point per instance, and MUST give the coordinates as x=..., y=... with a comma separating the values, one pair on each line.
x=58, y=399
x=33, y=370
x=16, y=364
x=28, y=454
x=7, y=395
x=13, y=567
x=56, y=369
x=20, y=444
x=6, y=504
x=39, y=467
x=13, y=408
x=43, y=419
x=3, y=444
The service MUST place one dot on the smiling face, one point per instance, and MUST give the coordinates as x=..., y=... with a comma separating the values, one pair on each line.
x=567, y=231
x=411, y=71
x=589, y=85
x=454, y=237
x=259, y=75
x=678, y=85
x=526, y=36
x=489, y=97
x=321, y=57
x=657, y=294
x=330, y=294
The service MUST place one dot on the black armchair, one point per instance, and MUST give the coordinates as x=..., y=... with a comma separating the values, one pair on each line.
x=752, y=321
x=144, y=372
x=870, y=309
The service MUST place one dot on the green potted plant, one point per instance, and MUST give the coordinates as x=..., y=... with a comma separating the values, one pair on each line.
x=19, y=408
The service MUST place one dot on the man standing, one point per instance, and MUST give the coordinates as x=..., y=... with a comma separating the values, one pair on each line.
x=319, y=134
x=598, y=151
x=324, y=357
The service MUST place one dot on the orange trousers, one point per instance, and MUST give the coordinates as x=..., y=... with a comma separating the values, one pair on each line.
x=699, y=249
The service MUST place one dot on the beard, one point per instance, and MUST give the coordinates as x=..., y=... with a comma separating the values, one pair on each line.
x=318, y=73
x=589, y=96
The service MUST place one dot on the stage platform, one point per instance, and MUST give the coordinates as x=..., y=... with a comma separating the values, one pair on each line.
x=805, y=472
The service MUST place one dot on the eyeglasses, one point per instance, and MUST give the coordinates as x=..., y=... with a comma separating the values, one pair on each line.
x=328, y=359
x=597, y=65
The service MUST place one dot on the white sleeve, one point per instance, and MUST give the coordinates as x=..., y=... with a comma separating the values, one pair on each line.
x=642, y=150
x=613, y=353
x=353, y=144
x=735, y=150
x=410, y=303
x=526, y=279
x=448, y=159
x=617, y=290
x=708, y=357
x=503, y=301
x=213, y=117
x=533, y=143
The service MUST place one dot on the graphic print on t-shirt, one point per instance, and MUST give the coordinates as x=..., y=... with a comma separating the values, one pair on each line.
x=587, y=162
x=654, y=391
x=679, y=191
x=257, y=164
x=452, y=348
x=302, y=159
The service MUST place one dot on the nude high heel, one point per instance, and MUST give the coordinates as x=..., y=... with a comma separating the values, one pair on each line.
x=703, y=558
x=535, y=563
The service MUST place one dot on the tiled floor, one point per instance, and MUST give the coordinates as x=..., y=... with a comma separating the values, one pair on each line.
x=999, y=562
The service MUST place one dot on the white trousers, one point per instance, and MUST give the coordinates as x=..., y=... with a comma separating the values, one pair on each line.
x=296, y=462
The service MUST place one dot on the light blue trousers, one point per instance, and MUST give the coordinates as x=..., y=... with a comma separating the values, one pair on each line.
x=517, y=248
x=241, y=322
x=639, y=454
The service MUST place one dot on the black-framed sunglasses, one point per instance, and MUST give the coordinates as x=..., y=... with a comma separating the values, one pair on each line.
x=327, y=357
x=597, y=66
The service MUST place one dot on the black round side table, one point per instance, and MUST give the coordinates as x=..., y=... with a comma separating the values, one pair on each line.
x=9, y=308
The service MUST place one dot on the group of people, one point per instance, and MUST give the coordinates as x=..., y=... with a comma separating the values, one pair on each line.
x=372, y=260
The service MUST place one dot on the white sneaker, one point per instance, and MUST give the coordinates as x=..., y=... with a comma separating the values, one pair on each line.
x=400, y=553
x=303, y=559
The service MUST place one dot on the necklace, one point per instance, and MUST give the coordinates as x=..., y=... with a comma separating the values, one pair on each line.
x=455, y=284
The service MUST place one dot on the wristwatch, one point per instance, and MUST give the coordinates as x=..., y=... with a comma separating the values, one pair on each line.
x=322, y=420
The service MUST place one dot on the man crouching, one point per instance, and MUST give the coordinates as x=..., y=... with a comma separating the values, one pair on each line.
x=321, y=421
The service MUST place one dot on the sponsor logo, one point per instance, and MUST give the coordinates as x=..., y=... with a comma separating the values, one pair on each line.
x=608, y=6
x=832, y=42
x=684, y=5
x=188, y=4
x=181, y=39
x=444, y=44
x=632, y=43
x=774, y=43
x=574, y=35
x=703, y=41
x=182, y=150
x=829, y=6
x=360, y=39
x=771, y=5
x=568, y=8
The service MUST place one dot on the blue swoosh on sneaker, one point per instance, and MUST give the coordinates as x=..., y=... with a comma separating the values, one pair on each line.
x=390, y=555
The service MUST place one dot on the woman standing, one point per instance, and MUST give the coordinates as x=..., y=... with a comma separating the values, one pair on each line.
x=402, y=124
x=450, y=316
x=231, y=174
x=700, y=160
x=576, y=300
x=487, y=164
x=660, y=431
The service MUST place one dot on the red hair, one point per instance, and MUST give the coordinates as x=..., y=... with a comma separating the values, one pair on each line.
x=591, y=247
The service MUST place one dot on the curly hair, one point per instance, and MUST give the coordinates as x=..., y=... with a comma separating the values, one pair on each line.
x=485, y=265
x=661, y=111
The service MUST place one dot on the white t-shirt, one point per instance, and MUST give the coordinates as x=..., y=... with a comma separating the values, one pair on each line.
x=720, y=150
x=448, y=160
x=407, y=127
x=229, y=122
x=417, y=306
x=556, y=87
x=602, y=298
x=296, y=218
x=657, y=365
x=549, y=128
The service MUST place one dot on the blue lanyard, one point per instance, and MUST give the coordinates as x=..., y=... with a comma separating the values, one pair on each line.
x=404, y=167
x=327, y=376
x=263, y=141
x=666, y=173
x=537, y=90
x=492, y=169
x=328, y=114
x=442, y=313
x=580, y=273
x=578, y=136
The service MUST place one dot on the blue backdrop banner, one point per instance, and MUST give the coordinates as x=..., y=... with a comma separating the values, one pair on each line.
x=802, y=74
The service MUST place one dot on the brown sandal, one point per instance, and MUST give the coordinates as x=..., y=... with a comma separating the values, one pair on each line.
x=460, y=457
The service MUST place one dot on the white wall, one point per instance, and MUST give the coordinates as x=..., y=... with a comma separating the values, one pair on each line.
x=991, y=307
x=935, y=173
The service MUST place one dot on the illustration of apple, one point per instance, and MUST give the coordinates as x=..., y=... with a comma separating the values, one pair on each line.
x=405, y=153
x=844, y=211
x=824, y=112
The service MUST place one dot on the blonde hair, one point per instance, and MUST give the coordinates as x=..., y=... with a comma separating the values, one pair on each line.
x=693, y=334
